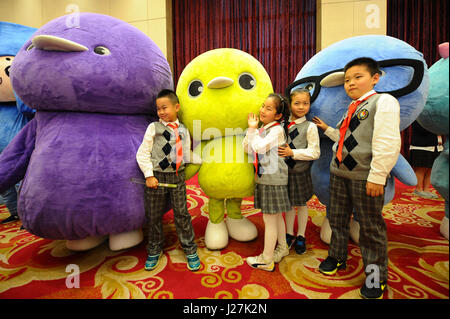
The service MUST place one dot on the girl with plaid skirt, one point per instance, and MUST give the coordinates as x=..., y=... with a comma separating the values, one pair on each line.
x=271, y=193
x=302, y=147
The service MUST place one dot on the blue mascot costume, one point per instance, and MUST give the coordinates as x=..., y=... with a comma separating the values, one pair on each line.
x=435, y=119
x=14, y=114
x=405, y=76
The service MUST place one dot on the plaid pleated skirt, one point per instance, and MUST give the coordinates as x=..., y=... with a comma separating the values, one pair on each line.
x=272, y=199
x=300, y=187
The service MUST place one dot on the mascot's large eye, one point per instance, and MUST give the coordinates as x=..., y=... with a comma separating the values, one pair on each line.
x=247, y=81
x=195, y=88
x=101, y=50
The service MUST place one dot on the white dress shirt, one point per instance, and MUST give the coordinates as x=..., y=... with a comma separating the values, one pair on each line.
x=386, y=140
x=253, y=142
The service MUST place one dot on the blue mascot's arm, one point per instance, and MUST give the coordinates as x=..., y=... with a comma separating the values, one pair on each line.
x=404, y=172
x=15, y=157
x=22, y=108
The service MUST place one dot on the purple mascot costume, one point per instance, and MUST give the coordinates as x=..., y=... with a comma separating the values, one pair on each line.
x=93, y=86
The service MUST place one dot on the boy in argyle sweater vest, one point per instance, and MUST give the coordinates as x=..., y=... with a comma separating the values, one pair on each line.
x=367, y=145
x=160, y=157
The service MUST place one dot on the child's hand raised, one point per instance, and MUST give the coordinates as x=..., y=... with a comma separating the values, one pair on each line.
x=253, y=120
x=320, y=124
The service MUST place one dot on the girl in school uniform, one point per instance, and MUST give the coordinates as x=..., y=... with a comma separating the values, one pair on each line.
x=271, y=192
x=302, y=147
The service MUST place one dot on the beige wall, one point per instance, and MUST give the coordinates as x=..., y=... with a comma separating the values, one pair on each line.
x=147, y=15
x=341, y=19
x=336, y=19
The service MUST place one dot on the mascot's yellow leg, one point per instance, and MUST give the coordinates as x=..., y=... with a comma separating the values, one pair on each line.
x=239, y=227
x=216, y=210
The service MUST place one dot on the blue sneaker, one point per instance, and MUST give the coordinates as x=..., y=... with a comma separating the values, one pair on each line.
x=290, y=240
x=193, y=262
x=152, y=261
x=300, y=245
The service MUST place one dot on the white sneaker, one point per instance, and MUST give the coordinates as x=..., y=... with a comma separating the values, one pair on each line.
x=280, y=252
x=259, y=262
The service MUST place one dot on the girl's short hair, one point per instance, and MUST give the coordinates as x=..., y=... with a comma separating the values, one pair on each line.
x=299, y=91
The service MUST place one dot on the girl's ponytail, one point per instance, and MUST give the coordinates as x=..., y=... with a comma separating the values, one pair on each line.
x=283, y=109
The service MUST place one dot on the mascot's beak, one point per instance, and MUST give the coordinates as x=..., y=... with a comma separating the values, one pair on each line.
x=52, y=43
x=220, y=82
x=333, y=79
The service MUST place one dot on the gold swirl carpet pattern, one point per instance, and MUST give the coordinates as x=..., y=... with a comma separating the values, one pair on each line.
x=33, y=267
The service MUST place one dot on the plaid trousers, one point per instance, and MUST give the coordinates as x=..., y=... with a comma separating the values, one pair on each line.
x=155, y=207
x=349, y=196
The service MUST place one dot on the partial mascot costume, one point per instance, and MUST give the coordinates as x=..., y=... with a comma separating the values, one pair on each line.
x=435, y=119
x=217, y=90
x=14, y=114
x=94, y=86
x=405, y=76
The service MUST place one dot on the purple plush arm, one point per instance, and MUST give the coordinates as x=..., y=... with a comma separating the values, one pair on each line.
x=15, y=157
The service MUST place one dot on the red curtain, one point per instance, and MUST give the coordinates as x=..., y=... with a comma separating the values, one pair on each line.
x=424, y=25
x=279, y=34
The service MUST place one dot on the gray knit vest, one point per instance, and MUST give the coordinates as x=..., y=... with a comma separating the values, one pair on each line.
x=297, y=140
x=164, y=151
x=272, y=169
x=357, y=148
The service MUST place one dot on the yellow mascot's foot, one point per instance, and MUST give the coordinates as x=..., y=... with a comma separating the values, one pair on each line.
x=216, y=235
x=241, y=229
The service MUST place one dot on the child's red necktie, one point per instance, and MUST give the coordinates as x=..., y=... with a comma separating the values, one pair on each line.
x=178, y=145
x=255, y=155
x=290, y=124
x=343, y=129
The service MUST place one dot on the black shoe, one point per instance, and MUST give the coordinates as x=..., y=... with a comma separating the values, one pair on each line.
x=12, y=218
x=290, y=240
x=330, y=265
x=373, y=293
x=300, y=245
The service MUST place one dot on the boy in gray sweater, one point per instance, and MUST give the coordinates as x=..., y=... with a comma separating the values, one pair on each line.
x=367, y=145
x=161, y=159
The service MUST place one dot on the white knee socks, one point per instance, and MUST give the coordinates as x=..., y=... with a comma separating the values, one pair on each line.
x=302, y=220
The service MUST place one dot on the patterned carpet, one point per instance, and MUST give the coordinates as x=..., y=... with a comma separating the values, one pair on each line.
x=32, y=267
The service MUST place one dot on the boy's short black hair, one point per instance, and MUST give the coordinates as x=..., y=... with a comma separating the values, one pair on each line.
x=171, y=95
x=369, y=63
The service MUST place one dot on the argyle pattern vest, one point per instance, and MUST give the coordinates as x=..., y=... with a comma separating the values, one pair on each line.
x=296, y=139
x=357, y=148
x=164, y=151
x=272, y=169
